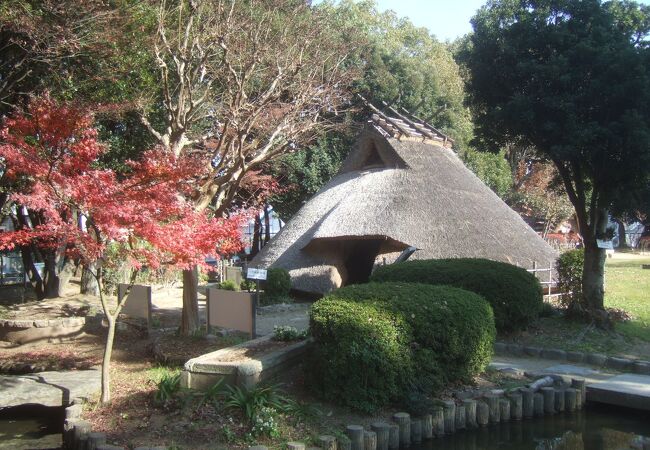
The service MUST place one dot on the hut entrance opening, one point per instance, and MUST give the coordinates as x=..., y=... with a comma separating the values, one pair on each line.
x=359, y=259
x=355, y=256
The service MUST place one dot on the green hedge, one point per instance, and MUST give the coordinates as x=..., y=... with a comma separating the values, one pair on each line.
x=375, y=342
x=514, y=293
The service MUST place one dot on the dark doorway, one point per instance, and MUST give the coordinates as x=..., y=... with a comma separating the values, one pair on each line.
x=360, y=259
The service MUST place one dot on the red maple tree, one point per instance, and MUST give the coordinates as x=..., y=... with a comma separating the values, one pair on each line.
x=51, y=154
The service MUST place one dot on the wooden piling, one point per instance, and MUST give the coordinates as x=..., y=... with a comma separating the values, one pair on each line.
x=504, y=410
x=482, y=413
x=460, y=417
x=527, y=396
x=427, y=426
x=492, y=401
x=438, y=416
x=95, y=440
x=403, y=421
x=470, y=413
x=393, y=436
x=369, y=440
x=580, y=385
x=81, y=428
x=549, y=400
x=570, y=398
x=538, y=404
x=450, y=416
x=355, y=433
x=559, y=400
x=382, y=429
x=516, y=405
x=416, y=430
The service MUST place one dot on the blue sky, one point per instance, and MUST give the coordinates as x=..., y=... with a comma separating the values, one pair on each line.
x=446, y=19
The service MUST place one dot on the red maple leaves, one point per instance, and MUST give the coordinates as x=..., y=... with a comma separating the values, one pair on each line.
x=51, y=153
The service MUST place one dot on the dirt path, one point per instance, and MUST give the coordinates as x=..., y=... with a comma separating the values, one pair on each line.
x=167, y=302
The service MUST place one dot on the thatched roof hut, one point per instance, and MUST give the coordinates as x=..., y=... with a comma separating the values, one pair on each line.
x=402, y=185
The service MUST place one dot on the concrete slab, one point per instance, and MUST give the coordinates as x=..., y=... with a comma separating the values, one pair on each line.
x=49, y=388
x=631, y=391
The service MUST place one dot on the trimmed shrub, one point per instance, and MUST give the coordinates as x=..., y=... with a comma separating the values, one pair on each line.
x=277, y=286
x=361, y=354
x=375, y=342
x=569, y=270
x=514, y=293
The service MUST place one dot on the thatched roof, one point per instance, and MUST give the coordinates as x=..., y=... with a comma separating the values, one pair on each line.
x=412, y=191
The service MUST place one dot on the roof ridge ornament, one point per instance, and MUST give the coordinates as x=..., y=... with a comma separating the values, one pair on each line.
x=404, y=126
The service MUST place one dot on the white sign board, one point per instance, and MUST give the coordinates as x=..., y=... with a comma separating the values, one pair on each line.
x=609, y=245
x=256, y=274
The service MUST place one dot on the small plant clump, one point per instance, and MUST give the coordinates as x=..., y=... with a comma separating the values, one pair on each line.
x=285, y=333
x=229, y=285
x=247, y=285
x=168, y=384
x=262, y=408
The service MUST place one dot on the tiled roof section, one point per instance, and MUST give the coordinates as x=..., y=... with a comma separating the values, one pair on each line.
x=405, y=126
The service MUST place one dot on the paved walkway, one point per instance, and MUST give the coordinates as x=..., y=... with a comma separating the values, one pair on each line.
x=604, y=386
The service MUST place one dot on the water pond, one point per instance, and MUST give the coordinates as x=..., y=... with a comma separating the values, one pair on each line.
x=31, y=427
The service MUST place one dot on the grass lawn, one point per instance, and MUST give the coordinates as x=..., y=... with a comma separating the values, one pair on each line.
x=627, y=287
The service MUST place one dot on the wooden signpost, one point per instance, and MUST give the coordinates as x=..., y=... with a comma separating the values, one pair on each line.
x=257, y=275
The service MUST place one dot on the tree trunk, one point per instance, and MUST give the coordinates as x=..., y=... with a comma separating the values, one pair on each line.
x=65, y=274
x=51, y=275
x=35, y=278
x=255, y=246
x=593, y=277
x=58, y=271
x=106, y=362
x=267, y=225
x=89, y=284
x=190, y=317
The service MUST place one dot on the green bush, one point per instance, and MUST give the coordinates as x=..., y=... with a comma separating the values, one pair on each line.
x=276, y=287
x=374, y=343
x=247, y=285
x=361, y=355
x=569, y=271
x=514, y=293
x=228, y=285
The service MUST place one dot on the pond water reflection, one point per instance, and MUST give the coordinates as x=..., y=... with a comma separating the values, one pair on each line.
x=596, y=428
x=31, y=427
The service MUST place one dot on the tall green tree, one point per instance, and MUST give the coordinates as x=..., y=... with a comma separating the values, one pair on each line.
x=395, y=62
x=404, y=65
x=571, y=78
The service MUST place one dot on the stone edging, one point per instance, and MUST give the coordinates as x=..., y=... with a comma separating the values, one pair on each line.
x=594, y=359
x=63, y=322
x=543, y=397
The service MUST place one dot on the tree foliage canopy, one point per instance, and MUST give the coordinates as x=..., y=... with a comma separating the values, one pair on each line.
x=571, y=78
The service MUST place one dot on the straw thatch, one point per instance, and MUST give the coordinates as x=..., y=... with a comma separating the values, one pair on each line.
x=390, y=194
